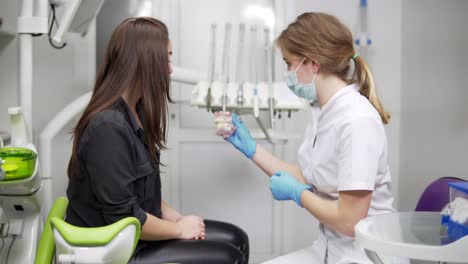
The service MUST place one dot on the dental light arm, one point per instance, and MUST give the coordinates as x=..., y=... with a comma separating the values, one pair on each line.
x=77, y=17
x=33, y=21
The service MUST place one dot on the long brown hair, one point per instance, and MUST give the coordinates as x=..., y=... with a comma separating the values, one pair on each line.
x=323, y=38
x=136, y=58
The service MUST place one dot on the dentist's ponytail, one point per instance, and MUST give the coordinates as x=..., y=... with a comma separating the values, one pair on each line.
x=363, y=76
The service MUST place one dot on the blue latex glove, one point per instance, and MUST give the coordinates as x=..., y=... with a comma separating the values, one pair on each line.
x=284, y=187
x=241, y=138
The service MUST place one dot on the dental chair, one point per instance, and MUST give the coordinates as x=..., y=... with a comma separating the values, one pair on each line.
x=112, y=244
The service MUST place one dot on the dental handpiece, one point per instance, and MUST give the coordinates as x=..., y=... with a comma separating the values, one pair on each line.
x=240, y=96
x=212, y=66
x=254, y=71
x=225, y=65
x=240, y=56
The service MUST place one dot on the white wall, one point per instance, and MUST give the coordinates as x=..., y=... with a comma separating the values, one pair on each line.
x=434, y=97
x=8, y=62
x=59, y=76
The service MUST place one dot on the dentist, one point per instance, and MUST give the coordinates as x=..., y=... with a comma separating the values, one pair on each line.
x=342, y=175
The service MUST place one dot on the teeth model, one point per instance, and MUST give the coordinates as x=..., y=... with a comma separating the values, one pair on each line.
x=224, y=125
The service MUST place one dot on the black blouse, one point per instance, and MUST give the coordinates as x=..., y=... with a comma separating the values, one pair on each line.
x=117, y=178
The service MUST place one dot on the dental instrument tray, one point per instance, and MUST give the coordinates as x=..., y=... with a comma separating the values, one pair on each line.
x=17, y=163
x=458, y=222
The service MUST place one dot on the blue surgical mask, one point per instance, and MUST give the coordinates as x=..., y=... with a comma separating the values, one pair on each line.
x=306, y=91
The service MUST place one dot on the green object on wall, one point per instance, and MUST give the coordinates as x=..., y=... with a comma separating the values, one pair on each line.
x=18, y=163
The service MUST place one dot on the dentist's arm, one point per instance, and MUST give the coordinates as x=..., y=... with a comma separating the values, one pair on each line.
x=341, y=215
x=361, y=144
x=244, y=142
x=271, y=164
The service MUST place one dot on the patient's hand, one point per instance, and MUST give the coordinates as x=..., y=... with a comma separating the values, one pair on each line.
x=192, y=227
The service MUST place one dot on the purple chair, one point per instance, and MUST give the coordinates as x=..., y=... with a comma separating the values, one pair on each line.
x=436, y=195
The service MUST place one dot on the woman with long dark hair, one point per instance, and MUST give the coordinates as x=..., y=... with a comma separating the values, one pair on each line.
x=114, y=166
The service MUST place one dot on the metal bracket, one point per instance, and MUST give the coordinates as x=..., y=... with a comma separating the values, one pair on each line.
x=374, y=256
x=264, y=129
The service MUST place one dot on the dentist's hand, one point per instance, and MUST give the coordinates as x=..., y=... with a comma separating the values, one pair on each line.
x=284, y=187
x=241, y=138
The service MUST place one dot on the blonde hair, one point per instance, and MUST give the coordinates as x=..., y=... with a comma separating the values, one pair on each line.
x=323, y=38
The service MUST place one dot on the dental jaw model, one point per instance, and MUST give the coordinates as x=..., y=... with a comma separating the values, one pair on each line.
x=224, y=126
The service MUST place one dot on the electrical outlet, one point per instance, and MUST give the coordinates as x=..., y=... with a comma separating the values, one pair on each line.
x=16, y=226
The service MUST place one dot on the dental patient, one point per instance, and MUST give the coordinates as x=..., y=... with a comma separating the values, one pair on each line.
x=114, y=167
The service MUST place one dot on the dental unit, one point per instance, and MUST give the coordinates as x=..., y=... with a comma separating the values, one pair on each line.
x=252, y=95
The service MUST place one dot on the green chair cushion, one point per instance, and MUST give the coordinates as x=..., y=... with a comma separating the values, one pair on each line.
x=94, y=236
x=77, y=236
